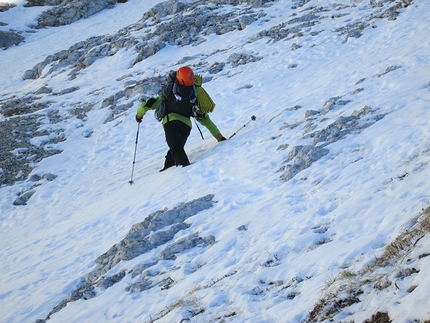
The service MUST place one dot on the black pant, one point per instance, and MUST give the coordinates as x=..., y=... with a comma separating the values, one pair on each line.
x=177, y=134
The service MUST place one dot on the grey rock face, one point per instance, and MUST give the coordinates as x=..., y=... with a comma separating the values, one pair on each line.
x=23, y=197
x=67, y=12
x=237, y=59
x=190, y=23
x=15, y=136
x=4, y=6
x=22, y=200
x=156, y=230
x=9, y=38
x=301, y=157
x=35, y=3
x=44, y=90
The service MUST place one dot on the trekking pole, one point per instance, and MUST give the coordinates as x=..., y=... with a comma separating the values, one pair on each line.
x=252, y=119
x=201, y=133
x=135, y=149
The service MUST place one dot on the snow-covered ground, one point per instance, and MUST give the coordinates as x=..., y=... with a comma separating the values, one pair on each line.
x=279, y=245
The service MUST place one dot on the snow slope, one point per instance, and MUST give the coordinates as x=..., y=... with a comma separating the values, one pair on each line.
x=280, y=245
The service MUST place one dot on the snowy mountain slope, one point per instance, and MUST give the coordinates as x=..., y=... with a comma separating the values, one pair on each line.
x=285, y=221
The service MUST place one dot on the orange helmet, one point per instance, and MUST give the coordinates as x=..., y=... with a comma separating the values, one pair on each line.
x=185, y=76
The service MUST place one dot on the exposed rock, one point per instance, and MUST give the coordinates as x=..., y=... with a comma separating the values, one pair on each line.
x=380, y=317
x=22, y=199
x=140, y=240
x=295, y=46
x=362, y=112
x=294, y=26
x=336, y=130
x=302, y=157
x=33, y=3
x=80, y=110
x=68, y=90
x=246, y=20
x=18, y=154
x=19, y=106
x=146, y=50
x=67, y=12
x=5, y=6
x=218, y=67
x=25, y=196
x=388, y=70
x=332, y=102
x=9, y=38
x=192, y=241
x=353, y=30
x=107, y=282
x=181, y=30
x=156, y=230
x=237, y=59
x=300, y=3
x=44, y=90
x=169, y=253
x=311, y=113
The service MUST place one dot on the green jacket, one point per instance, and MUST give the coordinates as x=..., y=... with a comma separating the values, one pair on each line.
x=206, y=121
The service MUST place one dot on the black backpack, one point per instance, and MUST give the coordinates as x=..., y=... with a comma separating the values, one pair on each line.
x=182, y=100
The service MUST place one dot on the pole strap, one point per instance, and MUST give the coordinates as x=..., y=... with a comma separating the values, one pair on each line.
x=201, y=133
